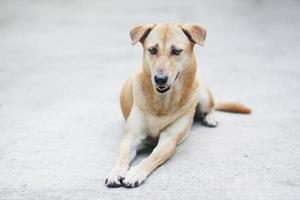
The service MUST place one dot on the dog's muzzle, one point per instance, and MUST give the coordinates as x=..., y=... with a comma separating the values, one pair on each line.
x=165, y=88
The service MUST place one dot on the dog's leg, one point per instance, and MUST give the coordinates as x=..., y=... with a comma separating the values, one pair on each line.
x=130, y=143
x=167, y=142
x=127, y=152
x=205, y=108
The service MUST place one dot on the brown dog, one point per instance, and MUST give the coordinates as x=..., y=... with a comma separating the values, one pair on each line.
x=160, y=100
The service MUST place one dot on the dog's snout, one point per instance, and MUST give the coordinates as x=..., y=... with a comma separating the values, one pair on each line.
x=161, y=79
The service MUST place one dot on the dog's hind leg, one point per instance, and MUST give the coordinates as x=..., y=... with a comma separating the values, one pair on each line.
x=205, y=108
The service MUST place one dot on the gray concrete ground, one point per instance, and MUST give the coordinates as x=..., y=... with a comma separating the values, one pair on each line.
x=62, y=64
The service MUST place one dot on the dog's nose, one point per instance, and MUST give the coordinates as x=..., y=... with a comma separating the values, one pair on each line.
x=160, y=79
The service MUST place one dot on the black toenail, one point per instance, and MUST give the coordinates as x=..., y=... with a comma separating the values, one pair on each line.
x=136, y=184
x=127, y=185
x=121, y=179
x=113, y=185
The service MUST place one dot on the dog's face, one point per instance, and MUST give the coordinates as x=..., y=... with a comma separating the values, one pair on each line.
x=168, y=50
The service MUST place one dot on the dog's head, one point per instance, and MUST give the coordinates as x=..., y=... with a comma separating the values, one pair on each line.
x=168, y=50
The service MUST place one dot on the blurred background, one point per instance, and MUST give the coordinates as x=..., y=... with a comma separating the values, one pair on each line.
x=62, y=64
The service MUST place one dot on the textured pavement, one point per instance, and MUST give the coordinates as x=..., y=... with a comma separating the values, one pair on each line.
x=62, y=64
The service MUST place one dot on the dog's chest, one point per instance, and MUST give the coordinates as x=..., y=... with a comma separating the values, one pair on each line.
x=155, y=124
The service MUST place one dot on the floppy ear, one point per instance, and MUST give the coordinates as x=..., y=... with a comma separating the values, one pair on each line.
x=195, y=33
x=139, y=33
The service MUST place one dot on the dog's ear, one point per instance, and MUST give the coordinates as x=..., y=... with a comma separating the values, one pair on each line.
x=139, y=33
x=195, y=33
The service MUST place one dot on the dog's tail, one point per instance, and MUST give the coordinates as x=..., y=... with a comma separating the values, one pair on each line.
x=232, y=107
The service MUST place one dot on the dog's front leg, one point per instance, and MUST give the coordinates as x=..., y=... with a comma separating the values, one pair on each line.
x=169, y=138
x=131, y=142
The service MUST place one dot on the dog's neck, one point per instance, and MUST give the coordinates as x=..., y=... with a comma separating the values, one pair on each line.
x=176, y=97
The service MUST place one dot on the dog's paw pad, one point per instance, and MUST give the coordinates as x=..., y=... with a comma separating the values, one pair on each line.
x=209, y=120
x=134, y=178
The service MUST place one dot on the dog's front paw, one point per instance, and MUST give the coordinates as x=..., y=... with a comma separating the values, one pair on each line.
x=209, y=120
x=115, y=177
x=134, y=177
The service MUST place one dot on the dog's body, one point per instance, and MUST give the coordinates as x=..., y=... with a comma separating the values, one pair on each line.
x=160, y=100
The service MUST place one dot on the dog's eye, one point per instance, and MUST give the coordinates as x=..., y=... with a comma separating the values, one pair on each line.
x=152, y=50
x=176, y=52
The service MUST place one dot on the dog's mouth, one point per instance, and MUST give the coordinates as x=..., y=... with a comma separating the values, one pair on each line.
x=166, y=88
x=162, y=89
